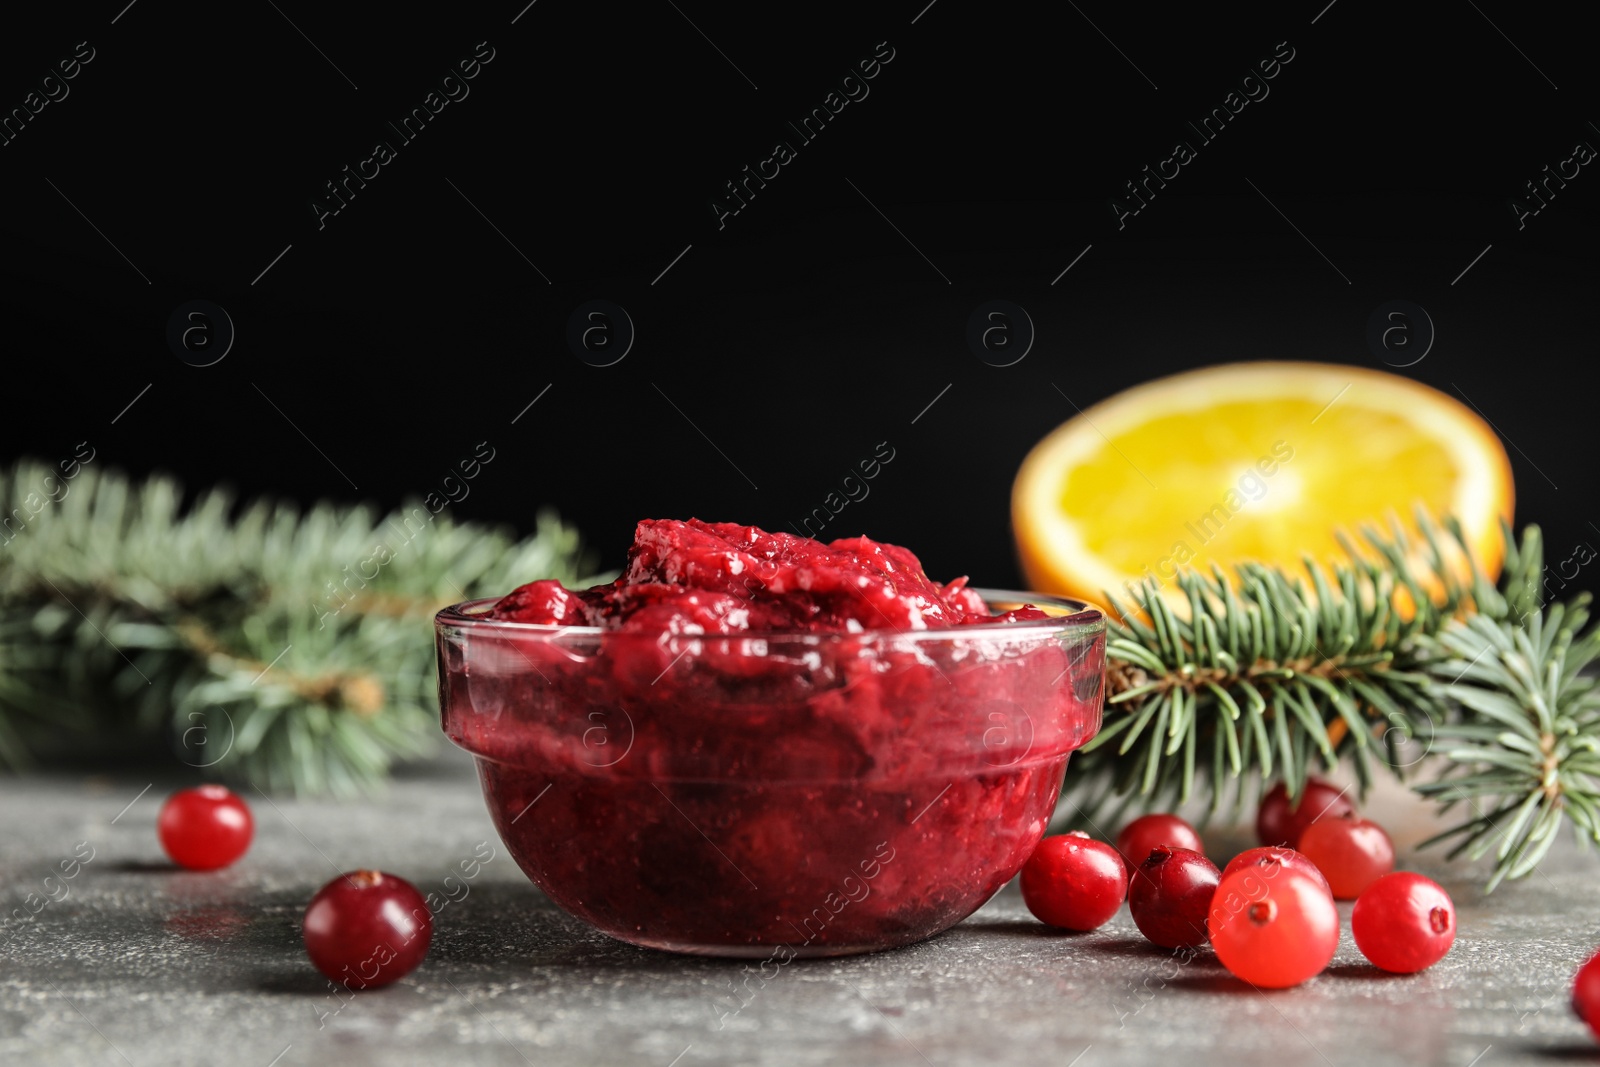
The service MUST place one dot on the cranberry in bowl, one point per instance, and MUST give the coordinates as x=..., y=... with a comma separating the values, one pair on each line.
x=756, y=744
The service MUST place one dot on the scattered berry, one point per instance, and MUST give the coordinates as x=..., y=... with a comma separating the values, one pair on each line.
x=1274, y=858
x=1273, y=932
x=367, y=929
x=1351, y=853
x=1074, y=882
x=1148, y=832
x=1280, y=822
x=205, y=827
x=1586, y=993
x=1171, y=895
x=1404, y=922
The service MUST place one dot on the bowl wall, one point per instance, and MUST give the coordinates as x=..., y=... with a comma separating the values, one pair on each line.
x=753, y=795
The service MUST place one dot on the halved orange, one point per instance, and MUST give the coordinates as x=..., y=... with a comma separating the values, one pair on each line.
x=1249, y=461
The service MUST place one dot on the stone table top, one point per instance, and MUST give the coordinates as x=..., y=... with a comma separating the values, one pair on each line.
x=138, y=963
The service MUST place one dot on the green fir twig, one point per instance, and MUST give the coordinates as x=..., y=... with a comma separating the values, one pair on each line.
x=285, y=648
x=1275, y=676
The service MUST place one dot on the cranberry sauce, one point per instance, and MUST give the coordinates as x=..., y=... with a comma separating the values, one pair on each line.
x=755, y=742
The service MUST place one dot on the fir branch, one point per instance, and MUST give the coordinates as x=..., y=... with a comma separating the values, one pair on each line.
x=1269, y=672
x=1527, y=747
x=287, y=648
x=1276, y=675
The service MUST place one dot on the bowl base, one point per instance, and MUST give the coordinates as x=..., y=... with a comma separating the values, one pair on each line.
x=780, y=953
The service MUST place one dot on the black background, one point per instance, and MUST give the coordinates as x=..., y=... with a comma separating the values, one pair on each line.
x=414, y=324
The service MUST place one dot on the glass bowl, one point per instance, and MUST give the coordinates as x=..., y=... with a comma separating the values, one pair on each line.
x=772, y=793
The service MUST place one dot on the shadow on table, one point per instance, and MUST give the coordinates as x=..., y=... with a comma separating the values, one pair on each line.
x=302, y=981
x=500, y=925
x=1138, y=948
x=1363, y=972
x=1580, y=1052
x=1219, y=981
x=1022, y=928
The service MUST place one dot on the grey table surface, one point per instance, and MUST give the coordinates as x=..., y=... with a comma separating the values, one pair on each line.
x=143, y=964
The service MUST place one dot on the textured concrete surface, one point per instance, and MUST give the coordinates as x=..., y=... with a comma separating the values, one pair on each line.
x=135, y=962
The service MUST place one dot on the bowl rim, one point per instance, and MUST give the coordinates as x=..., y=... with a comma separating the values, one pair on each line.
x=1077, y=616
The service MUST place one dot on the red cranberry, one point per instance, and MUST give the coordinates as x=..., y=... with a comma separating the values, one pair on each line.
x=1148, y=832
x=1278, y=822
x=1404, y=922
x=205, y=827
x=1074, y=882
x=1171, y=896
x=1273, y=859
x=1586, y=993
x=1273, y=931
x=1351, y=853
x=367, y=929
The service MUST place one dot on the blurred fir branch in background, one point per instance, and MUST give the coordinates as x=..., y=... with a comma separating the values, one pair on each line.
x=283, y=647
